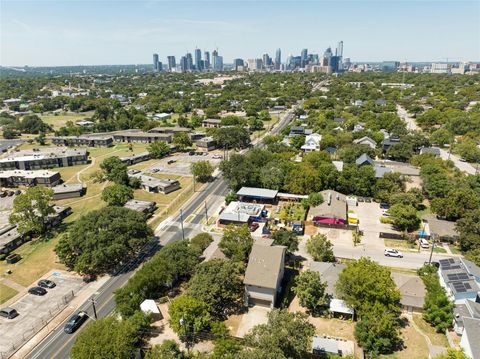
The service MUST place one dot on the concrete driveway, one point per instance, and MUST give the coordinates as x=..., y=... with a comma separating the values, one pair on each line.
x=255, y=316
x=182, y=163
x=35, y=311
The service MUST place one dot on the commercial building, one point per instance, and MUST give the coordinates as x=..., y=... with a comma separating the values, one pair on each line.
x=44, y=158
x=68, y=190
x=390, y=66
x=88, y=141
x=240, y=213
x=15, y=178
x=278, y=59
x=172, y=64
x=264, y=275
x=155, y=62
x=253, y=194
x=157, y=185
x=206, y=61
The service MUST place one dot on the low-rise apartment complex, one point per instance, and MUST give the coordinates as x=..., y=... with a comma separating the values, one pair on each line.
x=35, y=159
x=15, y=178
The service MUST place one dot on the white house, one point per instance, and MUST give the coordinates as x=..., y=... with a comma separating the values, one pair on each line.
x=312, y=143
x=470, y=341
x=365, y=140
x=264, y=274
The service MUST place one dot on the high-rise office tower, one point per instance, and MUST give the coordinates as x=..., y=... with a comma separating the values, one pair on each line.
x=159, y=66
x=278, y=59
x=266, y=60
x=183, y=63
x=304, y=57
x=238, y=64
x=155, y=62
x=198, y=60
x=189, y=61
x=340, y=49
x=206, y=56
x=217, y=61
x=171, y=63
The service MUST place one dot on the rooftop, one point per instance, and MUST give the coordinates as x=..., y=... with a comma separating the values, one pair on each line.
x=472, y=331
x=334, y=206
x=329, y=273
x=139, y=206
x=264, y=265
x=411, y=288
x=28, y=174
x=257, y=192
x=440, y=227
x=44, y=153
x=67, y=188
x=364, y=159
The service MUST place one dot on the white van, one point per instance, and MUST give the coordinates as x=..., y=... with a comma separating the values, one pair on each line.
x=424, y=243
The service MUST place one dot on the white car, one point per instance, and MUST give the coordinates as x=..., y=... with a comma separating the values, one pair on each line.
x=389, y=252
x=217, y=157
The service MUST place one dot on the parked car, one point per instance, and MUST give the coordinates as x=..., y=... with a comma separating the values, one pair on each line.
x=155, y=170
x=171, y=161
x=389, y=252
x=3, y=194
x=253, y=227
x=10, y=193
x=368, y=200
x=17, y=192
x=13, y=258
x=217, y=157
x=46, y=283
x=360, y=199
x=384, y=205
x=435, y=264
x=191, y=153
x=8, y=313
x=37, y=291
x=424, y=243
x=75, y=322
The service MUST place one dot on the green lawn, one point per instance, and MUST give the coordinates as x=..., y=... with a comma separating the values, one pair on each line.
x=37, y=259
x=61, y=118
x=292, y=211
x=6, y=293
x=399, y=243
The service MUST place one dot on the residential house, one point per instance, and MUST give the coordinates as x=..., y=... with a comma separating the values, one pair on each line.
x=264, y=275
x=145, y=207
x=440, y=229
x=412, y=291
x=364, y=160
x=460, y=278
x=312, y=143
x=358, y=127
x=435, y=151
x=333, y=210
x=469, y=309
x=156, y=185
x=365, y=140
x=389, y=142
x=470, y=341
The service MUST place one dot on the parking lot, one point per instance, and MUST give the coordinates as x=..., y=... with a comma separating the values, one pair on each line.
x=181, y=163
x=36, y=311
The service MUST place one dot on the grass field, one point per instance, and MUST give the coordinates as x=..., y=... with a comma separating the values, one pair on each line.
x=6, y=293
x=436, y=338
x=37, y=259
x=415, y=345
x=61, y=119
x=399, y=243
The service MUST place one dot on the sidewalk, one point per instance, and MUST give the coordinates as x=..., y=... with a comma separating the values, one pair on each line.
x=76, y=302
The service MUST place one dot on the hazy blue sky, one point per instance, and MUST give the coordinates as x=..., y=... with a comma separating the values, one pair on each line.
x=85, y=32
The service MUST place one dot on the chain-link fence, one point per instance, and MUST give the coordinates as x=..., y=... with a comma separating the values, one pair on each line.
x=37, y=325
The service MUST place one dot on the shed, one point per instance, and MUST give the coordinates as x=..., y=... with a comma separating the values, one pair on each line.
x=148, y=306
x=339, y=306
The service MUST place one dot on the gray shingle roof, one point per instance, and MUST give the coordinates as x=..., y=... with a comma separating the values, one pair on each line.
x=364, y=159
x=472, y=332
x=264, y=266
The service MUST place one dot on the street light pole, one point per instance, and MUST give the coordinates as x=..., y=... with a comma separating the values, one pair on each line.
x=431, y=251
x=206, y=213
x=181, y=223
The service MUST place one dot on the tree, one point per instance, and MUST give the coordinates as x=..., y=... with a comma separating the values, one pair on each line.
x=41, y=139
x=311, y=291
x=101, y=240
x=169, y=349
x=314, y=199
x=364, y=282
x=468, y=150
x=188, y=317
x=115, y=170
x=33, y=124
x=297, y=141
x=158, y=149
x=181, y=140
x=110, y=338
x=231, y=137
x=200, y=242
x=289, y=333
x=356, y=237
x=441, y=137
x=404, y=217
x=31, y=210
x=236, y=242
x=469, y=230
x=320, y=248
x=458, y=202
x=202, y=170
x=117, y=194
x=286, y=238
x=217, y=284
x=378, y=330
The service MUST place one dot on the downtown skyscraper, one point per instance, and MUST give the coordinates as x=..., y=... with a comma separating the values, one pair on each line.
x=278, y=59
x=198, y=60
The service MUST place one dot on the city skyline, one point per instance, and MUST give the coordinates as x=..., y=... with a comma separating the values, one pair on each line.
x=44, y=33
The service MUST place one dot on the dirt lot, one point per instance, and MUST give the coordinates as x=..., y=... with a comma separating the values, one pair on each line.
x=36, y=311
x=182, y=163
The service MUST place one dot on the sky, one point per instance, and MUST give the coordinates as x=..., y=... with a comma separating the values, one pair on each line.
x=102, y=32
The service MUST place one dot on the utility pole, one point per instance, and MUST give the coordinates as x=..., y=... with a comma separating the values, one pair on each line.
x=194, y=183
x=93, y=301
x=181, y=222
x=206, y=213
x=431, y=251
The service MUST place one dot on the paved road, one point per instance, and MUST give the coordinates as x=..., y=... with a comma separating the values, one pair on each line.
x=410, y=121
x=58, y=344
x=462, y=166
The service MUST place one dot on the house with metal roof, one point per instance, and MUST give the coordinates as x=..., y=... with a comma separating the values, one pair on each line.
x=145, y=207
x=254, y=194
x=312, y=143
x=264, y=275
x=365, y=140
x=364, y=160
x=156, y=185
x=323, y=346
x=469, y=309
x=460, y=278
x=240, y=213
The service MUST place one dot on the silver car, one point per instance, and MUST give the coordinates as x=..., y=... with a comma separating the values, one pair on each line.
x=389, y=252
